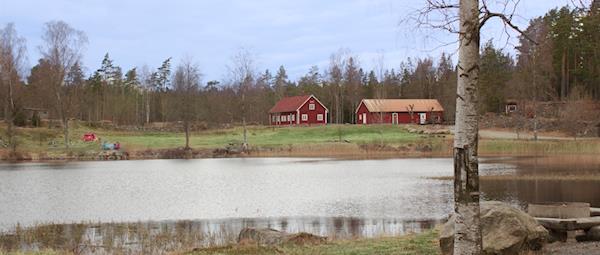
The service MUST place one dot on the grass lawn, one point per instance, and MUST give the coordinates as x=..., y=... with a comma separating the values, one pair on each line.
x=320, y=140
x=49, y=140
x=424, y=243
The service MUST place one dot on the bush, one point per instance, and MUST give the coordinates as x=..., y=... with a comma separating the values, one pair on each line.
x=20, y=119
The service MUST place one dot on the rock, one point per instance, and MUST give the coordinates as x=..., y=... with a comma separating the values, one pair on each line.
x=304, y=238
x=593, y=234
x=264, y=236
x=272, y=237
x=505, y=229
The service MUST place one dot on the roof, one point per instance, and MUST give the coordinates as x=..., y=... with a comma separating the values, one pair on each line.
x=289, y=104
x=402, y=105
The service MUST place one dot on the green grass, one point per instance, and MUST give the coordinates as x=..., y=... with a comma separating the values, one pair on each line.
x=39, y=139
x=424, y=243
x=319, y=139
x=267, y=136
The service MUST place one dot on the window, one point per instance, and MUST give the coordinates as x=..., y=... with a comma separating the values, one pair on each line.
x=277, y=118
x=273, y=119
x=319, y=117
x=293, y=117
x=283, y=118
x=304, y=117
x=360, y=117
x=311, y=107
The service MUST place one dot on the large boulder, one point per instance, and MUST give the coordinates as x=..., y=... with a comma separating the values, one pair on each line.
x=271, y=237
x=505, y=230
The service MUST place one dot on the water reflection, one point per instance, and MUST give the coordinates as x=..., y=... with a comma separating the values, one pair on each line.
x=363, y=198
x=568, y=178
x=170, y=236
x=158, y=190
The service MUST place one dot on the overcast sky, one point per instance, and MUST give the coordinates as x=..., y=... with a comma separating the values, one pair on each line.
x=296, y=34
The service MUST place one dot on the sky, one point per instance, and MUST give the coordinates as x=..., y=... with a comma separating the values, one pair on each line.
x=296, y=34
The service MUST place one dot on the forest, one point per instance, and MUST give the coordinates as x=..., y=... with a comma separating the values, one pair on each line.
x=557, y=59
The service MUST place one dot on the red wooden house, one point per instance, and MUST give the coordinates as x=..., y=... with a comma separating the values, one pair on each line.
x=396, y=111
x=298, y=110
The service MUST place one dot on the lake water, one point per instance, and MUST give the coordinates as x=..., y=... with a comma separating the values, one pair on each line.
x=207, y=201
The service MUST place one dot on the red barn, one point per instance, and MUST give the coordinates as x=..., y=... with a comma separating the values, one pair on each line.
x=298, y=110
x=395, y=111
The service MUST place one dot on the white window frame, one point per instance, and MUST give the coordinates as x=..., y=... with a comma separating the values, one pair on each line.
x=311, y=106
x=283, y=118
x=273, y=118
x=304, y=117
x=277, y=119
x=293, y=117
x=319, y=117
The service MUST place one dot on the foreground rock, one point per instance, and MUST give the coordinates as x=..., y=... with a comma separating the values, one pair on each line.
x=505, y=229
x=271, y=237
x=593, y=234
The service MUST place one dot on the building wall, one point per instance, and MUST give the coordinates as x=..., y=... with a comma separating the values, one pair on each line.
x=276, y=118
x=293, y=118
x=313, y=114
x=386, y=117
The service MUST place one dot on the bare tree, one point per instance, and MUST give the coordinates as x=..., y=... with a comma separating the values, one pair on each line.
x=466, y=18
x=337, y=62
x=411, y=112
x=62, y=49
x=12, y=57
x=242, y=75
x=146, y=86
x=186, y=83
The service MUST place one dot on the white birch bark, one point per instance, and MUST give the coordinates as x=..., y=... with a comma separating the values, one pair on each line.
x=467, y=238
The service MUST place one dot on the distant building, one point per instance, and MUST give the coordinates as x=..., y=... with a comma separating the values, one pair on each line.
x=397, y=111
x=298, y=110
x=31, y=111
x=511, y=106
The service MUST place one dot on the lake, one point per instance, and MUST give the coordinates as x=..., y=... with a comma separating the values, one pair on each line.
x=207, y=201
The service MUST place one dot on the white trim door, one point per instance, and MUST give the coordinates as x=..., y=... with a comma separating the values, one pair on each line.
x=364, y=118
x=395, y=118
x=422, y=118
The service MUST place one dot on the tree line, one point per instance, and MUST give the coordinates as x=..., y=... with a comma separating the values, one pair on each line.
x=561, y=62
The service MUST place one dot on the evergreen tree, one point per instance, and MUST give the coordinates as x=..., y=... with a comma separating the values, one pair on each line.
x=496, y=71
x=281, y=83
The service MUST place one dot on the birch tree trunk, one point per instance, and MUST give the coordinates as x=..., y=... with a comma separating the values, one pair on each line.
x=467, y=237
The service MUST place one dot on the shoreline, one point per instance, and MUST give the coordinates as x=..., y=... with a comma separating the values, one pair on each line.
x=318, y=151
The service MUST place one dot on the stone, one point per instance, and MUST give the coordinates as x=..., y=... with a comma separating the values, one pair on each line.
x=263, y=236
x=505, y=230
x=304, y=238
x=272, y=237
x=593, y=234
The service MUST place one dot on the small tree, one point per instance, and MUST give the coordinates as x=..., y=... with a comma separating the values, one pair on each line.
x=186, y=83
x=61, y=49
x=576, y=115
x=242, y=75
x=12, y=57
